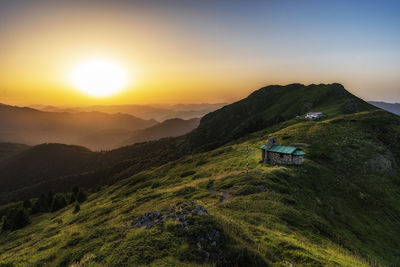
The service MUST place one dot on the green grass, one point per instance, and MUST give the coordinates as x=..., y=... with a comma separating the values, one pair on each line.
x=334, y=210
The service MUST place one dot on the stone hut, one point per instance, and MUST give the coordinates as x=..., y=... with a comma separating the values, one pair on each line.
x=273, y=153
x=315, y=115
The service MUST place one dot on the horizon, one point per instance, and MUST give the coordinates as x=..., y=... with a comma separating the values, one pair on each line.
x=159, y=104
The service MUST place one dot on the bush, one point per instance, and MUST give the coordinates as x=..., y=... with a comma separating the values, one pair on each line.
x=16, y=218
x=187, y=173
x=187, y=190
x=247, y=190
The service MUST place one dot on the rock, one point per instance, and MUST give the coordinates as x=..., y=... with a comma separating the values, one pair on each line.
x=179, y=213
x=308, y=105
x=352, y=106
x=380, y=163
x=261, y=187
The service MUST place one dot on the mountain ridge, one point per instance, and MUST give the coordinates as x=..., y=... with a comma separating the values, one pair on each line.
x=391, y=107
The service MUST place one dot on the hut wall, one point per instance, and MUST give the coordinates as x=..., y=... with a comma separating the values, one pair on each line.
x=279, y=158
x=298, y=160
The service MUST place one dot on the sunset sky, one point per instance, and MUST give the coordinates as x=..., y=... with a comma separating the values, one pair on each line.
x=197, y=51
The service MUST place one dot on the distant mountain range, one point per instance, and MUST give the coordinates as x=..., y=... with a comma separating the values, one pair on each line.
x=394, y=108
x=110, y=139
x=157, y=112
x=30, y=126
x=168, y=128
x=93, y=129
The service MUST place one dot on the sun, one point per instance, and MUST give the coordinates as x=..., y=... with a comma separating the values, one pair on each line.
x=99, y=78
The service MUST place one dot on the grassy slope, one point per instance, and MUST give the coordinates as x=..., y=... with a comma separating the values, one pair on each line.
x=335, y=209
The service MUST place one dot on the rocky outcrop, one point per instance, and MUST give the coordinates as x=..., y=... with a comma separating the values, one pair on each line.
x=202, y=232
x=379, y=163
x=180, y=213
x=352, y=106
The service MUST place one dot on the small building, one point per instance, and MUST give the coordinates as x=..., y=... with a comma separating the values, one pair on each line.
x=315, y=115
x=273, y=153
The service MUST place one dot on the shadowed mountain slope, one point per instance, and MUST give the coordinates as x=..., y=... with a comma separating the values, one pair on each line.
x=168, y=128
x=10, y=149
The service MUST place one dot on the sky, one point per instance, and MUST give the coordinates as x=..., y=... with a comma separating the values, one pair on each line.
x=197, y=51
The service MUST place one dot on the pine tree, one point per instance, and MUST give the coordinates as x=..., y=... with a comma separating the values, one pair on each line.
x=77, y=207
x=59, y=202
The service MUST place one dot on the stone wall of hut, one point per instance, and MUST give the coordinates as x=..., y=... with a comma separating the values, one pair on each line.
x=280, y=158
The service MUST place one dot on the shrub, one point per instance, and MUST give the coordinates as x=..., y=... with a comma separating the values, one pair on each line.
x=185, y=191
x=247, y=190
x=187, y=173
x=16, y=218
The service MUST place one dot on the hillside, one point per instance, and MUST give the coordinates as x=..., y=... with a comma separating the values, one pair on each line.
x=268, y=106
x=168, y=128
x=10, y=149
x=340, y=208
x=105, y=139
x=59, y=167
x=394, y=108
x=30, y=126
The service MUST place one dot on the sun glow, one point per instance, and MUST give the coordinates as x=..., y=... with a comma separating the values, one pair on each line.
x=99, y=78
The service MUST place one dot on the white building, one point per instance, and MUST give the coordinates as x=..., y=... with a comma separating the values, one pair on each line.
x=315, y=115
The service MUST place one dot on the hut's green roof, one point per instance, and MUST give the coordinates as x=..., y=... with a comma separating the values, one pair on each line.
x=299, y=153
x=284, y=149
x=263, y=146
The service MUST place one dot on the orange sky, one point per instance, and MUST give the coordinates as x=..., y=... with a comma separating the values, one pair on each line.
x=177, y=54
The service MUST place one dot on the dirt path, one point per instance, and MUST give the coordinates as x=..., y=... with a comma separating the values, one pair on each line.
x=224, y=195
x=196, y=182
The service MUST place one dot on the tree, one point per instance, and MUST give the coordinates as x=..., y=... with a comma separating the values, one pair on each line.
x=50, y=196
x=81, y=195
x=77, y=207
x=75, y=190
x=27, y=204
x=43, y=204
x=59, y=202
x=72, y=198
